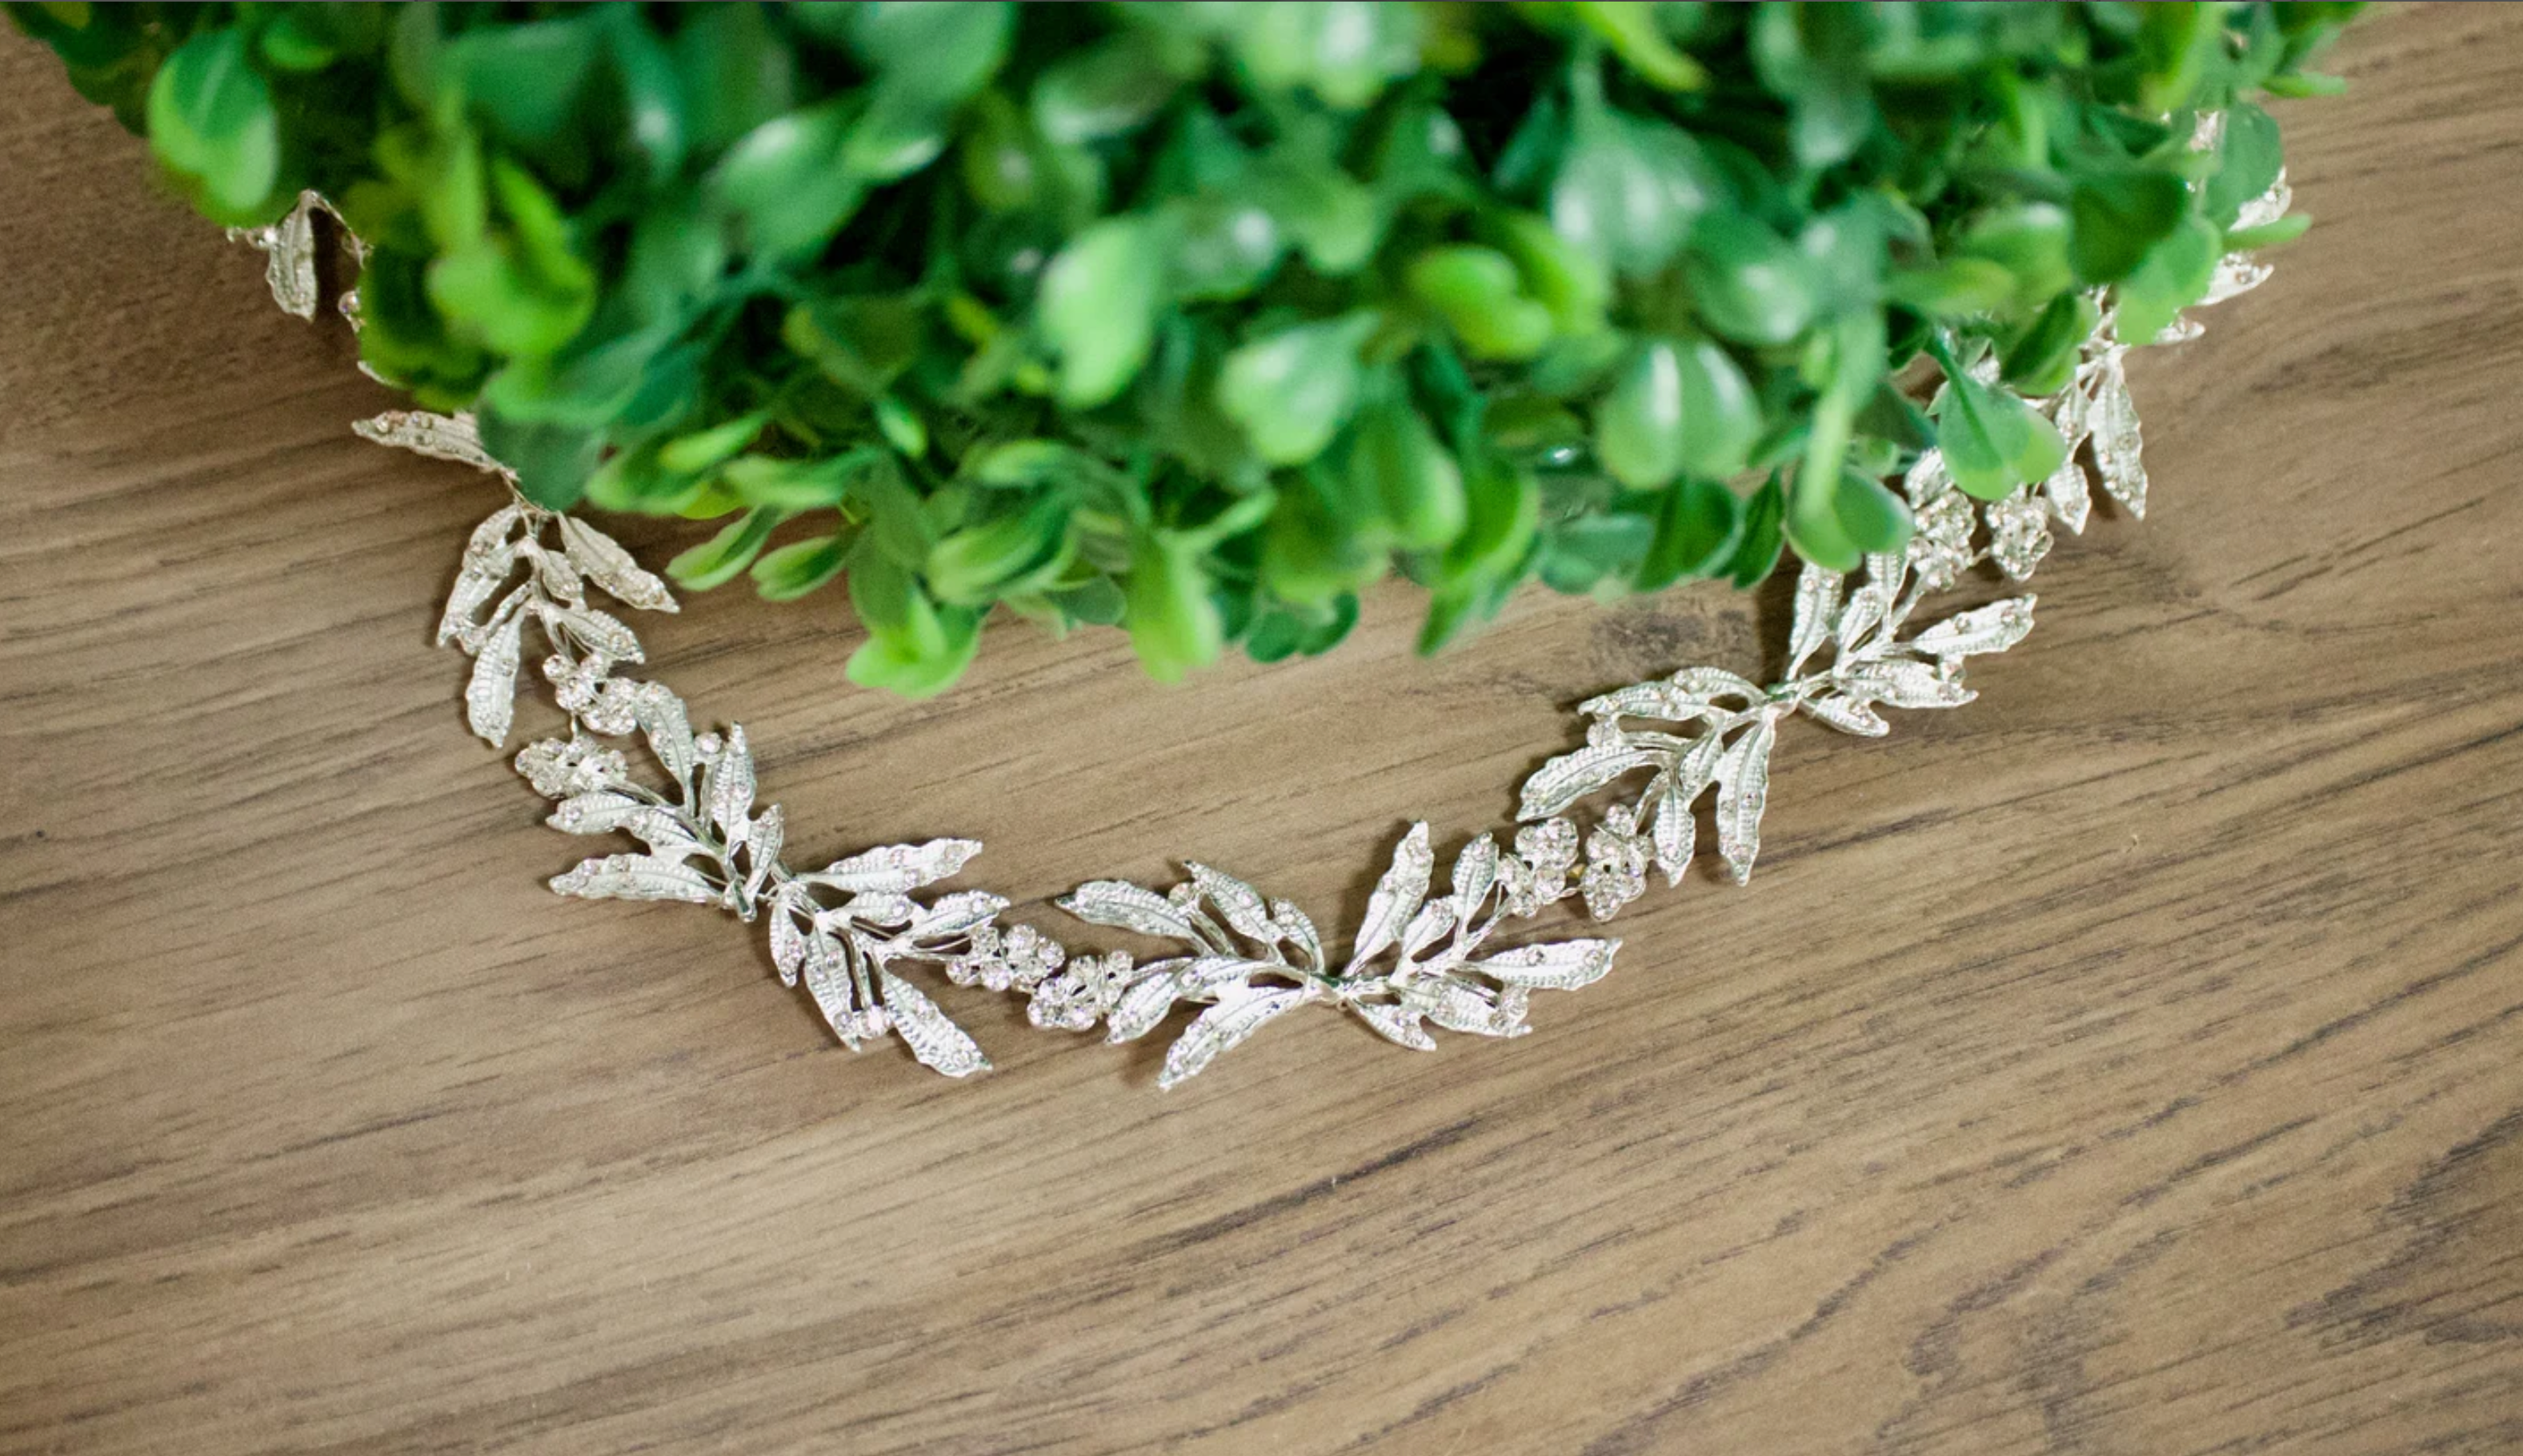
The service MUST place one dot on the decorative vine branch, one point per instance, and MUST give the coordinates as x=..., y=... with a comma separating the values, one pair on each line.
x=1421, y=955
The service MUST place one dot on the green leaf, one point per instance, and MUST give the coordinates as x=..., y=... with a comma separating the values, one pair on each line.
x=552, y=461
x=2175, y=275
x=1291, y=391
x=1746, y=281
x=2269, y=234
x=211, y=122
x=799, y=567
x=522, y=79
x=1478, y=291
x=1992, y=441
x=1167, y=606
x=1629, y=190
x=1873, y=519
x=732, y=550
x=1637, y=427
x=2249, y=159
x=1696, y=532
x=1097, y=308
x=2042, y=360
x=939, y=50
x=2118, y=216
x=1103, y=91
x=1631, y=29
x=1396, y=461
x=1757, y=549
x=1000, y=556
x=783, y=184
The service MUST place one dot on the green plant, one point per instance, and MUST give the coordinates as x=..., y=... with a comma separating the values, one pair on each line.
x=1198, y=317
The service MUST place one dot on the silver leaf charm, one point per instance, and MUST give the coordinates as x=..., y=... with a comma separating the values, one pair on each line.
x=610, y=567
x=935, y=1039
x=636, y=878
x=1560, y=966
x=1742, y=794
x=1219, y=1029
x=440, y=436
x=491, y=695
x=1395, y=898
x=727, y=789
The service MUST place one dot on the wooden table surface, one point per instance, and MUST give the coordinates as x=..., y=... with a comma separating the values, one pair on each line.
x=2129, y=1063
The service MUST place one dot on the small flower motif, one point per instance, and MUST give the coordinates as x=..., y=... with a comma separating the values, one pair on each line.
x=615, y=708
x=1537, y=872
x=1617, y=857
x=1076, y=998
x=575, y=685
x=559, y=769
x=1018, y=959
x=1941, y=548
x=2018, y=533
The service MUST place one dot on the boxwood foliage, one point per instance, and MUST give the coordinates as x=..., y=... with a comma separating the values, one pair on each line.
x=1198, y=317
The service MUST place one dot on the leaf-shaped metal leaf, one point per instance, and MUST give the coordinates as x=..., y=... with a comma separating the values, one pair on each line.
x=1219, y=1029
x=661, y=718
x=598, y=813
x=1126, y=906
x=1460, y=1006
x=1396, y=897
x=1865, y=611
x=604, y=812
x=1666, y=701
x=480, y=580
x=1743, y=793
x=958, y=914
x=440, y=436
x=490, y=694
x=1846, y=715
x=2071, y=499
x=289, y=271
x=895, y=868
x=1143, y=1003
x=1397, y=1024
x=1239, y=903
x=1571, y=776
x=610, y=567
x=636, y=878
x=1993, y=627
x=762, y=841
x=1300, y=930
x=1475, y=871
x=727, y=789
x=788, y=939
x=873, y=908
x=599, y=632
x=827, y=980
x=560, y=579
x=2119, y=447
x=1716, y=683
x=1433, y=921
x=1900, y=682
x=1817, y=613
x=1676, y=831
x=1554, y=965
x=930, y=1035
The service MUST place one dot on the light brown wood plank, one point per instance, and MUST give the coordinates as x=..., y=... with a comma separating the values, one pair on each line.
x=2128, y=1062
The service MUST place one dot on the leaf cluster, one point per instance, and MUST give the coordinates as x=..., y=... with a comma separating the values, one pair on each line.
x=1198, y=317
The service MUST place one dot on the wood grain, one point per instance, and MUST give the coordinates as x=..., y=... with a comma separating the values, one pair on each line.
x=2131, y=1062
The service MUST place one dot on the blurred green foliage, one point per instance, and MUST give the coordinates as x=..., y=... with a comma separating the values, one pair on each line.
x=1198, y=317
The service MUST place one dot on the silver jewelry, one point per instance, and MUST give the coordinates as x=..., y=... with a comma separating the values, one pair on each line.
x=1424, y=954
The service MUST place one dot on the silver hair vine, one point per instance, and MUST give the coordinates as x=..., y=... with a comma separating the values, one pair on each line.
x=1595, y=823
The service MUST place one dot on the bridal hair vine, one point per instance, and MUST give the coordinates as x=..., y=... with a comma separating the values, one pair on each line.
x=1422, y=955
